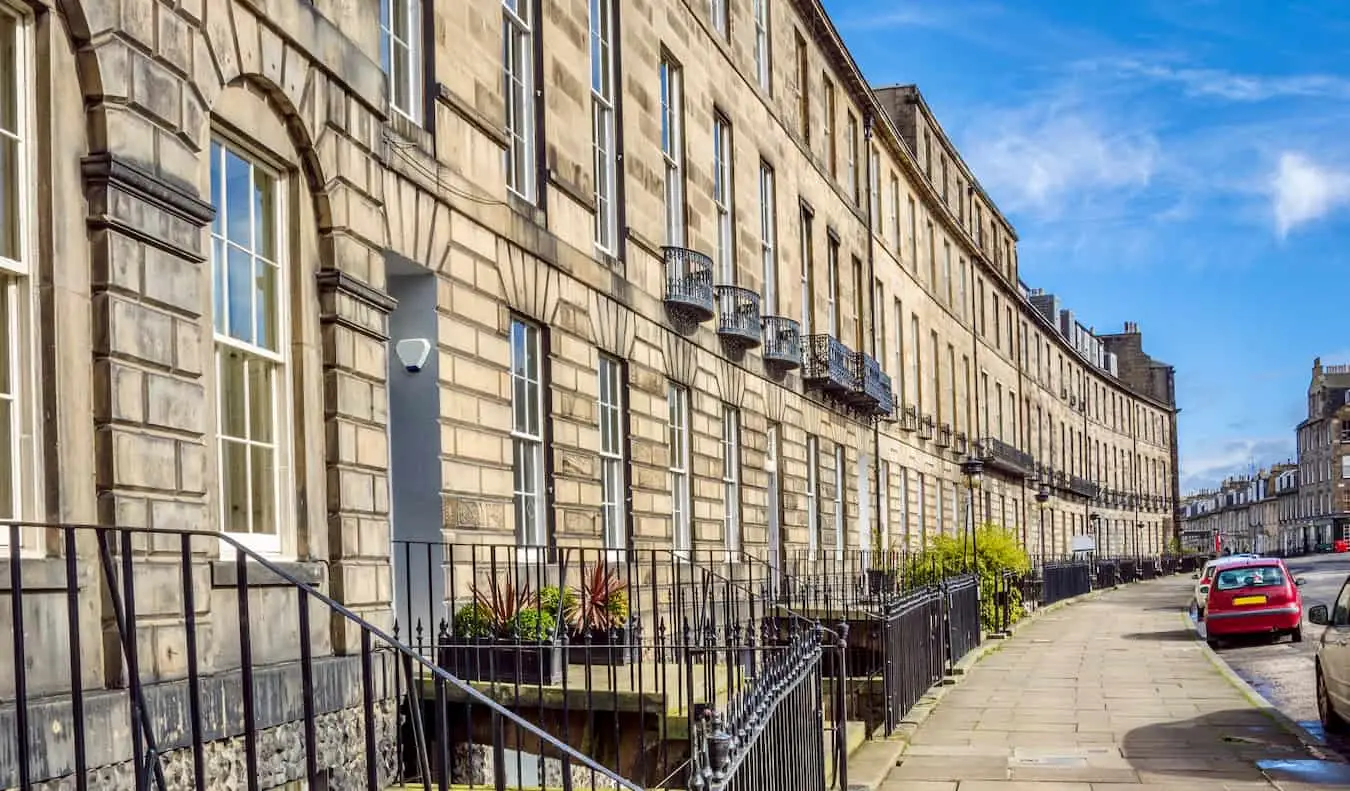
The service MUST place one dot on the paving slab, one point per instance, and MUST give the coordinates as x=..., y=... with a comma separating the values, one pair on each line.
x=1100, y=696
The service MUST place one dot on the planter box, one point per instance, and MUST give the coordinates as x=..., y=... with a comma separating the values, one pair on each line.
x=604, y=647
x=880, y=581
x=503, y=660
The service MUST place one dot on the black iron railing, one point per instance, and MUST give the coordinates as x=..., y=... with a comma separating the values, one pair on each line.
x=1006, y=458
x=229, y=670
x=1064, y=581
x=914, y=651
x=782, y=342
x=689, y=283
x=909, y=418
x=872, y=393
x=926, y=427
x=738, y=319
x=962, y=610
x=650, y=643
x=962, y=445
x=1083, y=487
x=828, y=364
x=944, y=435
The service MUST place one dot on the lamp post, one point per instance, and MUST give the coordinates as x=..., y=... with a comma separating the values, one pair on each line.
x=972, y=469
x=1042, y=497
x=1096, y=520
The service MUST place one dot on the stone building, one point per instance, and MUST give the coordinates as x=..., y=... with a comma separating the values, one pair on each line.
x=1324, y=455
x=321, y=274
x=1242, y=515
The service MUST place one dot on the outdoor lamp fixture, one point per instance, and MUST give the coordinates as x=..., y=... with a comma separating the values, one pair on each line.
x=1042, y=497
x=1096, y=520
x=973, y=469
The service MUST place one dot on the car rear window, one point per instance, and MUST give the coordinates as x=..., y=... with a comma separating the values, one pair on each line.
x=1249, y=577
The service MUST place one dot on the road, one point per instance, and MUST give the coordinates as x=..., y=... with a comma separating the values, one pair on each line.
x=1282, y=672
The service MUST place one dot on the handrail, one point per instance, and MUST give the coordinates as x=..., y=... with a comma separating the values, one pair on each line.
x=370, y=630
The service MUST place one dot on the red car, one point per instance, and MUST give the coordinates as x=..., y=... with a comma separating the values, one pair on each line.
x=1342, y=545
x=1256, y=596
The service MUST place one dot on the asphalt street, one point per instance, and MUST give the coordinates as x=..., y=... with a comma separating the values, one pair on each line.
x=1283, y=671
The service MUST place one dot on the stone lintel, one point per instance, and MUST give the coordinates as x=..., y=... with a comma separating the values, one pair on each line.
x=107, y=170
x=353, y=303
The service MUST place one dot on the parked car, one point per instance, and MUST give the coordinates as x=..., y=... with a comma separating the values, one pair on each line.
x=1206, y=575
x=1332, y=664
x=1254, y=596
x=1342, y=545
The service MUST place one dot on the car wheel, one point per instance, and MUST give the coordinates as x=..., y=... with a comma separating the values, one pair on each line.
x=1212, y=643
x=1331, y=721
x=1296, y=635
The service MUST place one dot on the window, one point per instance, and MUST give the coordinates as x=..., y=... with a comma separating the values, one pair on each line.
x=839, y=499
x=767, y=235
x=832, y=286
x=936, y=362
x=681, y=495
x=879, y=326
x=947, y=282
x=941, y=510
x=903, y=476
x=518, y=79
x=900, y=352
x=884, y=518
x=763, y=67
x=672, y=149
x=803, y=91
x=251, y=359
x=1345, y=467
x=916, y=362
x=15, y=255
x=962, y=282
x=1251, y=577
x=613, y=464
x=722, y=188
x=952, y=415
x=602, y=125
x=913, y=235
x=895, y=212
x=859, y=298
x=923, y=510
x=528, y=402
x=400, y=34
x=721, y=18
x=874, y=185
x=731, y=478
x=812, y=493
x=831, y=155
x=932, y=258
x=808, y=287
x=852, y=152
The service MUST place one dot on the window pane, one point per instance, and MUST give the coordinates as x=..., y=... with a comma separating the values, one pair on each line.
x=9, y=70
x=233, y=388
x=234, y=486
x=8, y=508
x=218, y=284
x=401, y=78
x=266, y=305
x=236, y=200
x=264, y=481
x=9, y=197
x=239, y=302
x=261, y=393
x=265, y=215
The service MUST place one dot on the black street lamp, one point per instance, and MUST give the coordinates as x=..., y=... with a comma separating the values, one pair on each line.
x=972, y=469
x=1096, y=520
x=1042, y=497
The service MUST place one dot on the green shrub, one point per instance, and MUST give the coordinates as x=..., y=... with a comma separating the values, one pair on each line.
x=533, y=625
x=617, y=606
x=999, y=551
x=550, y=596
x=473, y=620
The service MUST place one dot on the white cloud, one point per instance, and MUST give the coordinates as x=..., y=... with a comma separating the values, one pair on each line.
x=1042, y=160
x=1302, y=191
x=1234, y=87
x=1233, y=457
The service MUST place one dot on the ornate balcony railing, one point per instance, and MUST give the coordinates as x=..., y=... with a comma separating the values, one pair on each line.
x=944, y=435
x=1005, y=458
x=689, y=283
x=828, y=364
x=962, y=446
x=782, y=342
x=1083, y=487
x=909, y=418
x=926, y=427
x=872, y=393
x=738, y=316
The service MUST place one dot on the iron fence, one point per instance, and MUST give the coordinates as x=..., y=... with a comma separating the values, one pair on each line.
x=915, y=653
x=962, y=612
x=229, y=670
x=1064, y=580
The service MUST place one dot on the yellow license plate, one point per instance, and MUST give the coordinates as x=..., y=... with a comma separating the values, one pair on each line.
x=1241, y=600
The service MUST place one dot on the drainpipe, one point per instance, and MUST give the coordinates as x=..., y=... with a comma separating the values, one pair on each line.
x=868, y=119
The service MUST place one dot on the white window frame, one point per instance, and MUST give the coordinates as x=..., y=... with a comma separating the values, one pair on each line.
x=723, y=189
x=731, y=480
x=903, y=475
x=923, y=511
x=16, y=296
x=763, y=66
x=851, y=150
x=604, y=139
x=895, y=212
x=409, y=40
x=768, y=238
x=941, y=506
x=721, y=16
x=681, y=493
x=527, y=438
x=884, y=517
x=874, y=189
x=281, y=541
x=832, y=286
x=672, y=149
x=839, y=484
x=805, y=230
x=812, y=494
x=610, y=406
x=518, y=85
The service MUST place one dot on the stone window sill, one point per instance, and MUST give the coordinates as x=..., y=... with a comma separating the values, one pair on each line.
x=225, y=574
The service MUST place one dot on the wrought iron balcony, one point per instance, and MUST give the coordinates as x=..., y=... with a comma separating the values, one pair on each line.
x=944, y=435
x=738, y=316
x=828, y=364
x=962, y=446
x=909, y=418
x=782, y=342
x=872, y=393
x=1083, y=487
x=1007, y=459
x=926, y=427
x=689, y=283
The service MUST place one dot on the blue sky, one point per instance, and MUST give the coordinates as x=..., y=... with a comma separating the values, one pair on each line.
x=1184, y=164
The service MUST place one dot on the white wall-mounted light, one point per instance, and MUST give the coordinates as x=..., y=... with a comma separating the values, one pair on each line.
x=413, y=353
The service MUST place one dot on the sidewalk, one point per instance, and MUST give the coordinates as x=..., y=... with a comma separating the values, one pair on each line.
x=1109, y=693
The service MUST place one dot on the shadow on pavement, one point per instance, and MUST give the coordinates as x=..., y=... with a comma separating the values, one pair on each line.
x=1168, y=635
x=1226, y=746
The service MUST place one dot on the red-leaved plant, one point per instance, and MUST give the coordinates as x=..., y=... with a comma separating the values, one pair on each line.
x=602, y=601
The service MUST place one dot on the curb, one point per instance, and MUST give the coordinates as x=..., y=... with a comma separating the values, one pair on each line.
x=1309, y=740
